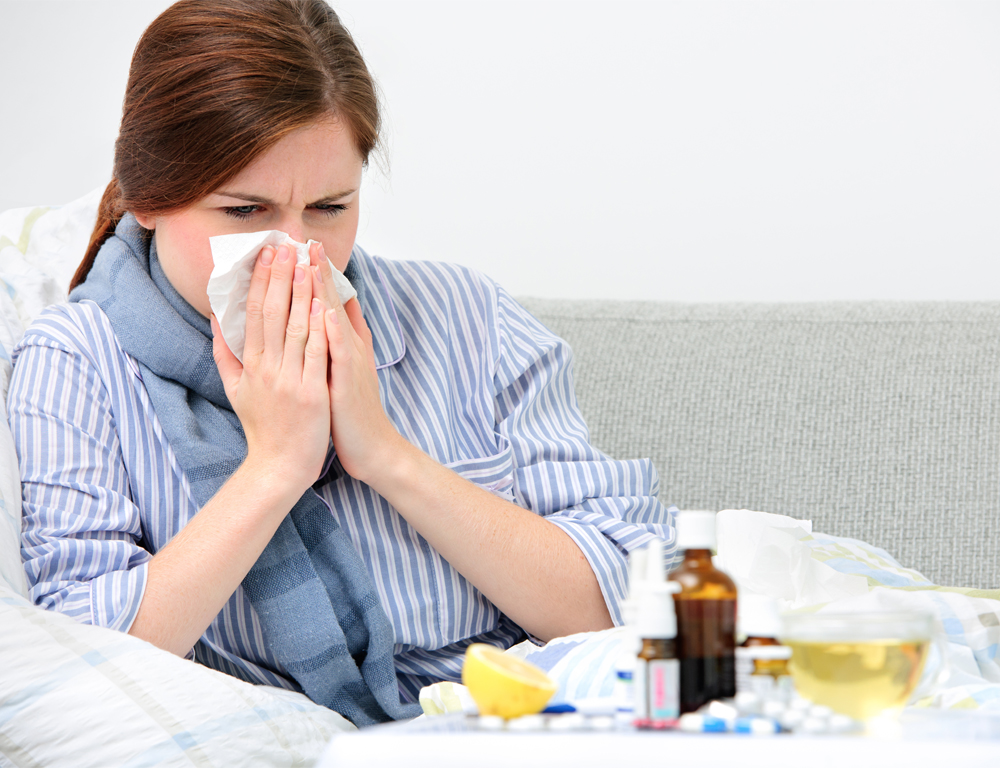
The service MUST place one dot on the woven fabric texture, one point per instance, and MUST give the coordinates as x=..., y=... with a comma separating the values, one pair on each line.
x=877, y=420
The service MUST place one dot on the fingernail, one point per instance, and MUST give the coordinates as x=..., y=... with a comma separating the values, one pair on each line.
x=319, y=274
x=267, y=256
x=299, y=275
x=332, y=314
x=317, y=307
x=322, y=250
x=282, y=253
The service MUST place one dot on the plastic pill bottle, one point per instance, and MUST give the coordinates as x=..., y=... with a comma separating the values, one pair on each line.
x=761, y=660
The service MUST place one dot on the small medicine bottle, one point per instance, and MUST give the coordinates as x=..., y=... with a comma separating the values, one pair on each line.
x=706, y=615
x=761, y=660
x=628, y=653
x=657, y=669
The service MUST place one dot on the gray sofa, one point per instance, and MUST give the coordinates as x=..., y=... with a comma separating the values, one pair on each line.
x=876, y=420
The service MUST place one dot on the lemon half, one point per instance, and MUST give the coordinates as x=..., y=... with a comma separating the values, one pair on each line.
x=504, y=685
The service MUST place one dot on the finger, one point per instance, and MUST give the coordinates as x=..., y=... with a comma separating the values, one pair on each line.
x=315, y=254
x=353, y=311
x=297, y=329
x=254, y=344
x=341, y=350
x=230, y=368
x=317, y=352
x=276, y=304
x=326, y=272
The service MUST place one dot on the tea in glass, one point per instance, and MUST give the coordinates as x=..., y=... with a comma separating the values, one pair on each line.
x=860, y=665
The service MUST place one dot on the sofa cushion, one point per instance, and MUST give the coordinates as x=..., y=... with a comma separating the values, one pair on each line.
x=879, y=421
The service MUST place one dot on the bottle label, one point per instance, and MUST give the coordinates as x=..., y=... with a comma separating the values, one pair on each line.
x=744, y=670
x=663, y=685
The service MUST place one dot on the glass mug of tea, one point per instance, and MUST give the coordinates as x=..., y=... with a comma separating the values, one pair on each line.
x=864, y=665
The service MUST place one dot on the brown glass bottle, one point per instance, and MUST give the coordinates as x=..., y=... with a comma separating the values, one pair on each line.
x=706, y=629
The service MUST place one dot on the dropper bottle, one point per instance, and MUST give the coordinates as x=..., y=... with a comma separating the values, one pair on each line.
x=657, y=670
x=706, y=615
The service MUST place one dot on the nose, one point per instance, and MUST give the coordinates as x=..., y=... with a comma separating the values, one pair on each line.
x=294, y=227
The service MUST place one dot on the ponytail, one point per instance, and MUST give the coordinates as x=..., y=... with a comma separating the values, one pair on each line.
x=109, y=213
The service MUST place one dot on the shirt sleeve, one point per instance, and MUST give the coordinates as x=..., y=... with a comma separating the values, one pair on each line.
x=80, y=532
x=608, y=507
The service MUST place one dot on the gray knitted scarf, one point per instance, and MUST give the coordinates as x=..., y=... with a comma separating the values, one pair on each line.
x=320, y=614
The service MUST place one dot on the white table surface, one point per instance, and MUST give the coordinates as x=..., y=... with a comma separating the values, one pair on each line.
x=956, y=742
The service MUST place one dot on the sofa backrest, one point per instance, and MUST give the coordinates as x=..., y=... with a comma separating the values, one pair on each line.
x=876, y=420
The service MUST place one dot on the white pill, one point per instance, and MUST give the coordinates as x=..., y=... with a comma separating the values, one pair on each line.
x=815, y=725
x=792, y=719
x=571, y=721
x=527, y=723
x=601, y=723
x=721, y=710
x=843, y=724
x=773, y=709
x=763, y=726
x=747, y=702
x=818, y=710
x=691, y=722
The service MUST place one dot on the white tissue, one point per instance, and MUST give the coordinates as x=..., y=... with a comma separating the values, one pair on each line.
x=234, y=257
x=770, y=555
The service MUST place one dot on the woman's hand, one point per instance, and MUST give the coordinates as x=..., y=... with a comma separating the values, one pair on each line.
x=280, y=391
x=364, y=437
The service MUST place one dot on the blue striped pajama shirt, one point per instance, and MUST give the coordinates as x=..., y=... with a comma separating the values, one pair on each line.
x=465, y=373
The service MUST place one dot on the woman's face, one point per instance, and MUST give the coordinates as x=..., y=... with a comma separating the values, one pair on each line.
x=307, y=185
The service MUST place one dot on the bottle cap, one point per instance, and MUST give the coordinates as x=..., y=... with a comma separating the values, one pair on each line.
x=757, y=616
x=695, y=530
x=657, y=618
x=636, y=582
x=764, y=652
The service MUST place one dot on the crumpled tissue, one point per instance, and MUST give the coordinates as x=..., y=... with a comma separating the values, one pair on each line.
x=234, y=257
x=771, y=555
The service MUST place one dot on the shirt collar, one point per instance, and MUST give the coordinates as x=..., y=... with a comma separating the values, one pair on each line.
x=376, y=307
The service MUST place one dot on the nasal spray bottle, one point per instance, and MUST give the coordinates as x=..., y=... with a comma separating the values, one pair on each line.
x=657, y=670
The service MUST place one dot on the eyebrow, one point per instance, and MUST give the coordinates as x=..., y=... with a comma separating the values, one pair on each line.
x=264, y=201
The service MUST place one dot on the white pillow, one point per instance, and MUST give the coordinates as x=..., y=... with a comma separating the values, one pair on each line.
x=75, y=696
x=40, y=249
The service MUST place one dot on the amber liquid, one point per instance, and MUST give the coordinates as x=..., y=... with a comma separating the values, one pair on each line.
x=859, y=679
x=706, y=630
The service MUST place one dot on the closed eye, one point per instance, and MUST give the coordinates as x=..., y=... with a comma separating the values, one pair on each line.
x=247, y=212
x=242, y=212
x=330, y=209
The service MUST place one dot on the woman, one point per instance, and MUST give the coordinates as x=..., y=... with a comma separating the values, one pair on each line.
x=378, y=484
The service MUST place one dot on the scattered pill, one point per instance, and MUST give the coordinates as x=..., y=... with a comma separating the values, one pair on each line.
x=602, y=723
x=818, y=710
x=791, y=719
x=573, y=721
x=692, y=722
x=491, y=723
x=815, y=725
x=757, y=726
x=527, y=723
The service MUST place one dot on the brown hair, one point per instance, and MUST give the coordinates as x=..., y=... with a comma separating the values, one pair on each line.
x=213, y=84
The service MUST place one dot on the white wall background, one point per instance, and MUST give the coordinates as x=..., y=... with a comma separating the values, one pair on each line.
x=694, y=151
